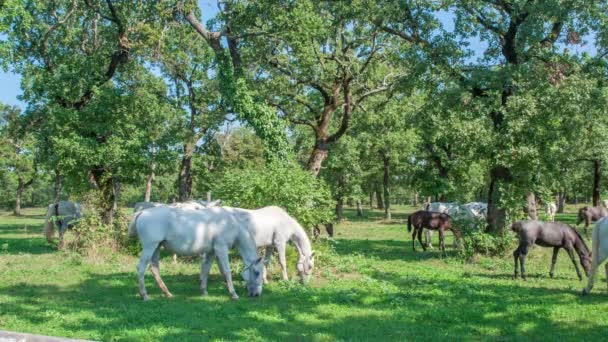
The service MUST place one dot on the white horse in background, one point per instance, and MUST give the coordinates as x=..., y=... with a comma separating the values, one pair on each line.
x=63, y=214
x=551, y=210
x=599, y=251
x=272, y=228
x=192, y=232
x=472, y=211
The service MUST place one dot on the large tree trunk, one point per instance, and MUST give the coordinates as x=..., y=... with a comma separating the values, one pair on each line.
x=597, y=174
x=21, y=186
x=185, y=172
x=531, y=203
x=387, y=190
x=318, y=155
x=17, y=211
x=415, y=202
x=561, y=201
x=497, y=217
x=57, y=187
x=101, y=180
x=379, y=201
x=340, y=208
x=371, y=200
x=359, y=208
x=151, y=176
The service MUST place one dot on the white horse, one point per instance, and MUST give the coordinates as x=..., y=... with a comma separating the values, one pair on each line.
x=472, y=211
x=192, y=232
x=551, y=210
x=272, y=228
x=599, y=251
x=63, y=214
x=193, y=204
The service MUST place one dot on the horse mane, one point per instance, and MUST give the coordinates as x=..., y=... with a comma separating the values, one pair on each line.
x=581, y=239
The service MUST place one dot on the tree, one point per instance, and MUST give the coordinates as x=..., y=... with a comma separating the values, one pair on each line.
x=17, y=151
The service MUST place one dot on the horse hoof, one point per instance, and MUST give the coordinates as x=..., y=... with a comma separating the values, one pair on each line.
x=234, y=297
x=169, y=295
x=146, y=298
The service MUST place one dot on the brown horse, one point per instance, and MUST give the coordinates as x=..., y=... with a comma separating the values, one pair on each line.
x=433, y=221
x=590, y=214
x=550, y=234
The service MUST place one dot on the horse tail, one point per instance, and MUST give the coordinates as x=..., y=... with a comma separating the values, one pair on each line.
x=133, y=225
x=49, y=224
x=409, y=223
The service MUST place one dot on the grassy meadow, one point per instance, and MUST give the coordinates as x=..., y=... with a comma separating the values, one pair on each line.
x=368, y=285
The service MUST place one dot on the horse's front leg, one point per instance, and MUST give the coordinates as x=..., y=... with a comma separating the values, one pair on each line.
x=515, y=259
x=428, y=238
x=553, y=261
x=442, y=241
x=591, y=280
x=571, y=254
x=282, y=260
x=205, y=268
x=155, y=268
x=414, y=239
x=61, y=232
x=267, y=258
x=224, y=263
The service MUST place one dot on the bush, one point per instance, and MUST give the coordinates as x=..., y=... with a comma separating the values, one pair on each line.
x=305, y=197
x=476, y=241
x=97, y=240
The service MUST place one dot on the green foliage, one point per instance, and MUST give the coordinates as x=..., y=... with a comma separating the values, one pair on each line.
x=477, y=242
x=304, y=197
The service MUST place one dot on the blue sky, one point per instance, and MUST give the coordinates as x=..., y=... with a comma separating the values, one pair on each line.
x=10, y=82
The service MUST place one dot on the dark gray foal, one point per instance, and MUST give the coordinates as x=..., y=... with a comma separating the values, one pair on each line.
x=550, y=234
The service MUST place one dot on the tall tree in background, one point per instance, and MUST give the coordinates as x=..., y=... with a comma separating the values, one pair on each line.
x=17, y=151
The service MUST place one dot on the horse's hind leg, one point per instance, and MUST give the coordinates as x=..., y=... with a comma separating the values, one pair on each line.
x=571, y=254
x=428, y=238
x=553, y=261
x=155, y=268
x=442, y=241
x=205, y=268
x=419, y=235
x=414, y=238
x=146, y=255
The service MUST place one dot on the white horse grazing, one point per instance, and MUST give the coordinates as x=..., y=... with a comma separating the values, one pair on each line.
x=599, y=251
x=63, y=214
x=192, y=232
x=193, y=205
x=272, y=228
x=551, y=210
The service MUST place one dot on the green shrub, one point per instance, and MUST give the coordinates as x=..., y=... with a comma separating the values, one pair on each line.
x=305, y=197
x=476, y=241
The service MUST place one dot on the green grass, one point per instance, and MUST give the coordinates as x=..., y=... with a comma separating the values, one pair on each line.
x=373, y=288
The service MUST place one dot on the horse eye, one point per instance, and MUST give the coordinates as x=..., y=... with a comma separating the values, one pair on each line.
x=256, y=273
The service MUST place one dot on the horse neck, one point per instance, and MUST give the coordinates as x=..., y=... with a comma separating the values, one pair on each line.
x=300, y=239
x=580, y=247
x=246, y=247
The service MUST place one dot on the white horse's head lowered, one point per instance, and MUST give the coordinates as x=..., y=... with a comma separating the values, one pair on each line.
x=253, y=276
x=305, y=266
